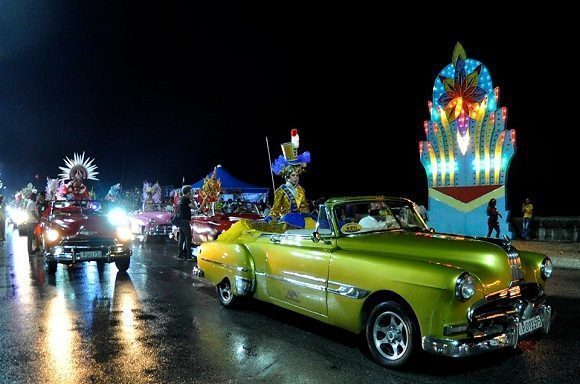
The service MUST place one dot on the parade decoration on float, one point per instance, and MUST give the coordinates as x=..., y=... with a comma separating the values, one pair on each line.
x=151, y=195
x=77, y=170
x=209, y=192
x=53, y=188
x=468, y=150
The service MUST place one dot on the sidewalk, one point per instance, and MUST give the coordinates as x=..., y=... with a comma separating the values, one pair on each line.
x=563, y=255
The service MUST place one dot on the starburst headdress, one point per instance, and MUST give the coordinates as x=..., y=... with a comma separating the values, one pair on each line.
x=78, y=166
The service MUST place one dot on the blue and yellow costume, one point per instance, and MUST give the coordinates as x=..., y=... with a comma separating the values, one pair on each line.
x=290, y=204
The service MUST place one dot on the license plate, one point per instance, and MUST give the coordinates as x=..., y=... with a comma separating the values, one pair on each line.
x=89, y=254
x=529, y=325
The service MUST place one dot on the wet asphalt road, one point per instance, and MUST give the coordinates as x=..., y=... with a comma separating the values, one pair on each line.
x=159, y=324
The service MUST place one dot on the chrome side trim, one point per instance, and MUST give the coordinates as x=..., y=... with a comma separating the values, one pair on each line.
x=347, y=290
x=244, y=287
x=334, y=287
x=238, y=269
x=303, y=284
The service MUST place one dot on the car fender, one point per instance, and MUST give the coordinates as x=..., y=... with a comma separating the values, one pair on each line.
x=427, y=288
x=220, y=260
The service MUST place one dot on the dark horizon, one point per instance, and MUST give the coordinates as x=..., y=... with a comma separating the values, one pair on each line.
x=158, y=94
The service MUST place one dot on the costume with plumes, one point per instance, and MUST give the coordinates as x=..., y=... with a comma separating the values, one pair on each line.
x=210, y=192
x=151, y=195
x=28, y=190
x=53, y=189
x=114, y=193
x=77, y=170
x=290, y=201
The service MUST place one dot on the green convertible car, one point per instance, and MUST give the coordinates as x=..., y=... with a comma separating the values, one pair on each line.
x=374, y=268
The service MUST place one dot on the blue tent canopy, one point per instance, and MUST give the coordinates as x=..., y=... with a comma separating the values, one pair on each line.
x=230, y=183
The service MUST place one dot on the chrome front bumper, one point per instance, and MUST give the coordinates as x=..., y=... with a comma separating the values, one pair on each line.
x=67, y=254
x=509, y=338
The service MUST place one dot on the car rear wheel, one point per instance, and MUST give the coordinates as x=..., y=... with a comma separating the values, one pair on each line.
x=391, y=335
x=226, y=295
x=51, y=267
x=123, y=264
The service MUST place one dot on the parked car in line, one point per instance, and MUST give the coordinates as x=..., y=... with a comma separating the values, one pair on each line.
x=207, y=227
x=373, y=267
x=84, y=230
x=153, y=221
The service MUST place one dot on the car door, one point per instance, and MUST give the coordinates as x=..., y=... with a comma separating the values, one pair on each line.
x=297, y=270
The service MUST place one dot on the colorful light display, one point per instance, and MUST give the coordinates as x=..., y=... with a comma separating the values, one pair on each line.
x=468, y=150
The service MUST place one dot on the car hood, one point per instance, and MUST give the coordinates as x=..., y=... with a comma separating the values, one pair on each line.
x=158, y=216
x=83, y=225
x=488, y=262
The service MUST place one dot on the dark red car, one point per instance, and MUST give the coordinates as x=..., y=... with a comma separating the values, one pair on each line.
x=84, y=230
x=207, y=227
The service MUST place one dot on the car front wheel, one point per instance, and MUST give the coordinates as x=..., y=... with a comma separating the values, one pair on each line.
x=391, y=335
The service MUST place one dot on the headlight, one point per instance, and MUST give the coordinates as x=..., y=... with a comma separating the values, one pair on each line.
x=19, y=216
x=117, y=216
x=52, y=235
x=124, y=234
x=546, y=268
x=464, y=286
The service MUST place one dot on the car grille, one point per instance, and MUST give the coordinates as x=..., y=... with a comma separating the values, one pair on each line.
x=512, y=254
x=497, y=308
x=515, y=264
x=162, y=229
x=88, y=243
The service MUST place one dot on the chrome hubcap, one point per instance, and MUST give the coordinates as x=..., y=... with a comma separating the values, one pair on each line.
x=391, y=335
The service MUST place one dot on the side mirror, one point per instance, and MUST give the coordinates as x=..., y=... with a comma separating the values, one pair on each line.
x=315, y=237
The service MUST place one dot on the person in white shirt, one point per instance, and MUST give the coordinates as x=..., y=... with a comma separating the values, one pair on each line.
x=376, y=219
x=32, y=211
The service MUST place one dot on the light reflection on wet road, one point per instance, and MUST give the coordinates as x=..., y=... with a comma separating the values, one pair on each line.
x=159, y=324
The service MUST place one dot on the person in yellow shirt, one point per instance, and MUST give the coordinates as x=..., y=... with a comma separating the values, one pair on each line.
x=290, y=204
x=528, y=212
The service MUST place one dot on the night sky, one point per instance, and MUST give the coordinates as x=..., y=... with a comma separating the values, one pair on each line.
x=165, y=91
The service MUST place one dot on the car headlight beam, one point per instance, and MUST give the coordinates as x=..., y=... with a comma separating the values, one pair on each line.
x=124, y=233
x=52, y=235
x=464, y=287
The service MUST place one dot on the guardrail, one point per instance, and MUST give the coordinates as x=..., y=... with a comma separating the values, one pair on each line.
x=550, y=228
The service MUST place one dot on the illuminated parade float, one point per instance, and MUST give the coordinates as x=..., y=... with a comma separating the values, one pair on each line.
x=468, y=150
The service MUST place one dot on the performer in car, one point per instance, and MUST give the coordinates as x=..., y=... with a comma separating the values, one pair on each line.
x=290, y=204
x=77, y=170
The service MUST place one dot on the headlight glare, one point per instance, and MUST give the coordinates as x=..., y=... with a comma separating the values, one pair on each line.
x=118, y=216
x=464, y=287
x=52, y=235
x=124, y=234
x=546, y=268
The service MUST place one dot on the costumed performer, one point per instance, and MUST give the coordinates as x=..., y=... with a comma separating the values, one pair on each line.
x=290, y=203
x=210, y=192
x=77, y=170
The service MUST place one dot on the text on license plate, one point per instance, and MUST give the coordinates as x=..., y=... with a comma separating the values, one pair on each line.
x=89, y=254
x=529, y=325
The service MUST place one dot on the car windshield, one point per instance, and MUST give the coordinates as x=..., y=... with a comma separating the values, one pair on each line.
x=238, y=207
x=377, y=216
x=76, y=206
x=157, y=207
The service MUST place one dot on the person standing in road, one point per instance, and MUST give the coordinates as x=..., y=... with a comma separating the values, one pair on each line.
x=2, y=220
x=185, y=205
x=493, y=220
x=32, y=220
x=528, y=212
